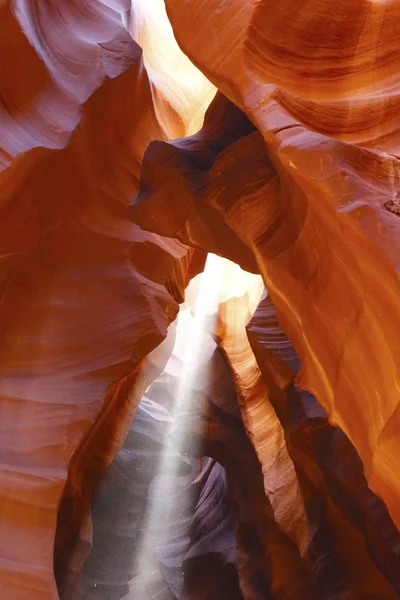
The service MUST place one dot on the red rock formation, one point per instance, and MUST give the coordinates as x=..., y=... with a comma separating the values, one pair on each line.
x=186, y=533
x=82, y=303
x=294, y=176
x=355, y=101
x=329, y=471
x=313, y=261
x=55, y=67
x=347, y=542
x=341, y=80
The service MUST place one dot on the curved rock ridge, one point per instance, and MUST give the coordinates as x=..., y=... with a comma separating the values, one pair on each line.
x=344, y=544
x=330, y=474
x=343, y=525
x=261, y=483
x=181, y=93
x=336, y=294
x=85, y=294
x=339, y=74
x=277, y=517
x=61, y=52
x=334, y=73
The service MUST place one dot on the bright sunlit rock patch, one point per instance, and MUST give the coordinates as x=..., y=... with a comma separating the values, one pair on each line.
x=227, y=280
x=188, y=364
x=173, y=75
x=181, y=96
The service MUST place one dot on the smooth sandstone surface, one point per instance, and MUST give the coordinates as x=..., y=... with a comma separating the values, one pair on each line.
x=276, y=476
x=334, y=288
x=86, y=295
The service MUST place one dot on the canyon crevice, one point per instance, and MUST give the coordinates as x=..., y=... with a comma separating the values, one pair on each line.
x=200, y=303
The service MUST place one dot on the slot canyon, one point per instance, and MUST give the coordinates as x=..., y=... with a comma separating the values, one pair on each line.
x=200, y=302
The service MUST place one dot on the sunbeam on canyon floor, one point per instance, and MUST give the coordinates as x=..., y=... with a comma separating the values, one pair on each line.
x=193, y=348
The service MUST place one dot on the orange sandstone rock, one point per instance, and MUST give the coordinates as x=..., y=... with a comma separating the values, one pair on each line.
x=335, y=292
x=86, y=295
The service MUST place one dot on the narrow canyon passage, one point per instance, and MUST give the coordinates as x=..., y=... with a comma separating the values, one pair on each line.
x=199, y=300
x=163, y=525
x=227, y=482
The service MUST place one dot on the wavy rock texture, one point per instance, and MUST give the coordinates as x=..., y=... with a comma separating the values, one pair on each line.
x=281, y=528
x=342, y=528
x=54, y=67
x=247, y=472
x=330, y=474
x=333, y=72
x=348, y=90
x=334, y=290
x=180, y=94
x=85, y=294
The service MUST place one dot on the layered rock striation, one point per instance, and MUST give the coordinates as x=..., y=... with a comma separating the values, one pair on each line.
x=272, y=473
x=327, y=279
x=86, y=295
